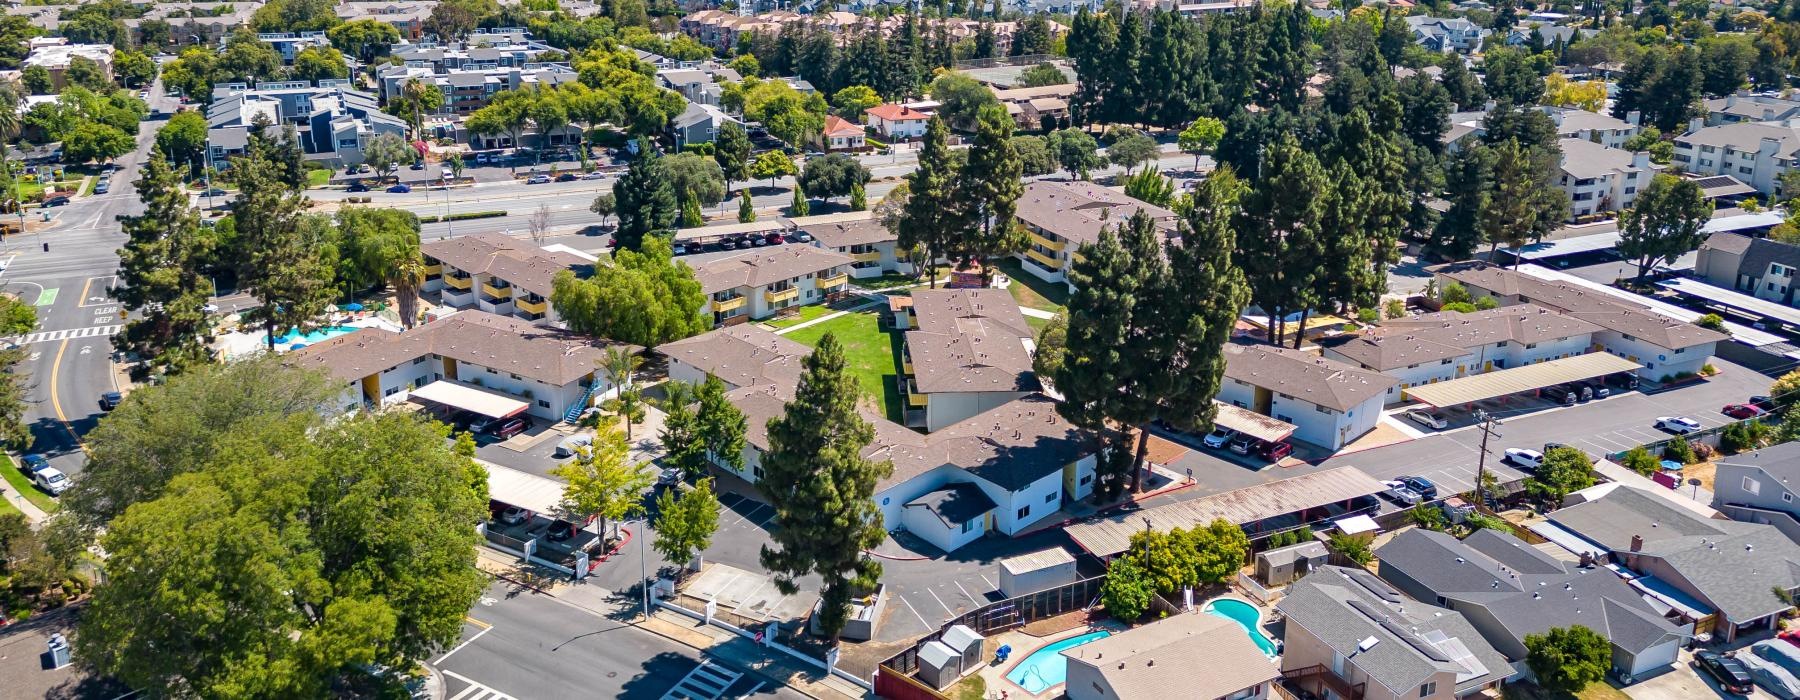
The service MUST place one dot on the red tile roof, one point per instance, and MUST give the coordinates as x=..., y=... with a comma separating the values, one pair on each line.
x=836, y=126
x=896, y=113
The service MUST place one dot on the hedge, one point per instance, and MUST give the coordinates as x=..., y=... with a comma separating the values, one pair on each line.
x=464, y=216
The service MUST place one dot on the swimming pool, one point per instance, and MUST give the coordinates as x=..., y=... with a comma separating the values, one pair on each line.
x=1047, y=666
x=316, y=335
x=1247, y=616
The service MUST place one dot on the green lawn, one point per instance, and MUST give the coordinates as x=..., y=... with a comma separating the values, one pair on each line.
x=23, y=485
x=802, y=315
x=87, y=185
x=869, y=352
x=1595, y=691
x=1030, y=291
x=1037, y=324
x=317, y=178
x=28, y=190
x=6, y=506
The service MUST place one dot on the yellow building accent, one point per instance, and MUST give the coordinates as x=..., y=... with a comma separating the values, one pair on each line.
x=775, y=297
x=1045, y=259
x=371, y=387
x=1047, y=243
x=871, y=256
x=836, y=281
x=729, y=304
x=916, y=400
x=538, y=307
x=906, y=366
x=496, y=292
x=463, y=283
x=450, y=368
x=437, y=269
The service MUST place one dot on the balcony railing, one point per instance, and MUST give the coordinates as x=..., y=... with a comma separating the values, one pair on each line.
x=536, y=307
x=729, y=304
x=837, y=280
x=777, y=296
x=871, y=256
x=1044, y=259
x=434, y=269
x=1046, y=243
x=463, y=283
x=499, y=293
x=1322, y=675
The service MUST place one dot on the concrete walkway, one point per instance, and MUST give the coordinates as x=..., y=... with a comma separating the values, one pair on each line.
x=879, y=300
x=1036, y=313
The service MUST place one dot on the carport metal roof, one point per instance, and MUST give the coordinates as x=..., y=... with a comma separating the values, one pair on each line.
x=1251, y=423
x=1736, y=300
x=470, y=398
x=1568, y=246
x=1520, y=379
x=1108, y=536
x=523, y=489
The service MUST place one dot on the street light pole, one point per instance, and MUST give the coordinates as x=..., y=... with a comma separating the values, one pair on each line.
x=1488, y=423
x=644, y=571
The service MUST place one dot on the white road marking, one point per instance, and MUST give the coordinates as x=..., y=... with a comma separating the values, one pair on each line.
x=965, y=591
x=940, y=601
x=990, y=582
x=64, y=334
x=915, y=612
x=459, y=647
x=480, y=692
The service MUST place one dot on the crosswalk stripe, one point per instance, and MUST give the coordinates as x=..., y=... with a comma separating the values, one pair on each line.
x=65, y=334
x=476, y=691
x=700, y=682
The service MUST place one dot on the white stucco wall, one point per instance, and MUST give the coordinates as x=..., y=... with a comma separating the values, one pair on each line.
x=947, y=408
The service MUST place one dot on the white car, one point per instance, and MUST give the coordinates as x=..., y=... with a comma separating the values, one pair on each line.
x=1401, y=494
x=1529, y=459
x=596, y=175
x=1680, y=425
x=50, y=479
x=1429, y=419
x=1217, y=438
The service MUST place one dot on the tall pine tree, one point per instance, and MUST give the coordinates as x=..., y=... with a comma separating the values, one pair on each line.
x=162, y=283
x=646, y=201
x=929, y=218
x=988, y=188
x=1279, y=247
x=283, y=257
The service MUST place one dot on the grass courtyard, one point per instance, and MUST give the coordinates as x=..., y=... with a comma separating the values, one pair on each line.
x=802, y=315
x=869, y=352
x=1032, y=292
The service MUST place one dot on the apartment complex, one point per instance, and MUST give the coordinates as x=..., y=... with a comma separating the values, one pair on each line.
x=757, y=284
x=1760, y=267
x=1756, y=153
x=498, y=274
x=333, y=121
x=1062, y=216
x=1329, y=403
x=967, y=351
x=1601, y=179
x=873, y=249
x=1450, y=345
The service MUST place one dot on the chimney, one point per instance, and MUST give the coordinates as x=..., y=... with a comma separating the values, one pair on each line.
x=1634, y=117
x=1695, y=124
x=1637, y=543
x=1731, y=100
x=1768, y=114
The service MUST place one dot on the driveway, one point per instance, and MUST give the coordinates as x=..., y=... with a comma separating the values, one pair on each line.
x=1685, y=682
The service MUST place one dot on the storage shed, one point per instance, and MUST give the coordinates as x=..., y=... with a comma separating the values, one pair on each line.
x=967, y=644
x=939, y=665
x=1030, y=573
x=1279, y=566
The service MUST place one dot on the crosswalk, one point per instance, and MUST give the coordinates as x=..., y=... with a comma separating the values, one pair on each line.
x=705, y=682
x=476, y=691
x=64, y=334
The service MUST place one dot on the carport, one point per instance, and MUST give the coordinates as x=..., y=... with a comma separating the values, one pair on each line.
x=1734, y=301
x=1268, y=507
x=1251, y=423
x=523, y=489
x=469, y=398
x=1518, y=380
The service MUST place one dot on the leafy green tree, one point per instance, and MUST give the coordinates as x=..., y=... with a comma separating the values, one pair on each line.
x=1565, y=470
x=182, y=141
x=1280, y=243
x=1782, y=390
x=822, y=488
x=1352, y=547
x=1200, y=137
x=1034, y=156
x=386, y=152
x=771, y=165
x=92, y=141
x=731, y=149
x=1664, y=222
x=746, y=65
x=454, y=19
x=1052, y=348
x=604, y=206
x=1042, y=75
x=382, y=246
x=1127, y=589
x=646, y=202
x=1219, y=550
x=1148, y=185
x=960, y=98
x=1526, y=203
x=37, y=80
x=1513, y=75
x=133, y=69
x=1641, y=461
x=16, y=318
x=927, y=217
x=852, y=101
x=696, y=176
x=316, y=63
x=1075, y=151
x=364, y=38
x=1130, y=148
x=799, y=207
x=603, y=482
x=646, y=297
x=833, y=175
x=988, y=188
x=295, y=16
x=721, y=425
x=1663, y=84
x=685, y=525
x=162, y=283
x=246, y=59
x=746, y=210
x=1168, y=558
x=1567, y=659
x=330, y=547
x=285, y=263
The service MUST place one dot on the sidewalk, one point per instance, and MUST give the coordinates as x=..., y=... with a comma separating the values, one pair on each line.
x=711, y=641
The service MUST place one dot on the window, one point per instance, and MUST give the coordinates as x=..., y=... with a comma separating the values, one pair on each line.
x=1752, y=485
x=1529, y=346
x=1024, y=512
x=1428, y=690
x=1445, y=362
x=419, y=360
x=543, y=404
x=1049, y=498
x=967, y=526
x=1321, y=409
x=1787, y=497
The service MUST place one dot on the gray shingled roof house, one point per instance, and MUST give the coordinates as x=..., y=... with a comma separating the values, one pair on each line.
x=1508, y=589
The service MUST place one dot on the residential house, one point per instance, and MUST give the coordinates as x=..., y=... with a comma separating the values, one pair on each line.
x=1549, y=34
x=841, y=135
x=1761, y=267
x=54, y=54
x=1351, y=635
x=1664, y=346
x=896, y=122
x=1746, y=107
x=757, y=284
x=407, y=17
x=1037, y=108
x=290, y=44
x=998, y=472
x=333, y=121
x=1206, y=656
x=551, y=370
x=1060, y=216
x=1733, y=578
x=1755, y=152
x=1509, y=589
x=1761, y=487
x=1447, y=35
x=873, y=249
x=1594, y=127
x=498, y=274
x=702, y=83
x=1600, y=179
x=1450, y=345
x=1329, y=403
x=699, y=123
x=966, y=351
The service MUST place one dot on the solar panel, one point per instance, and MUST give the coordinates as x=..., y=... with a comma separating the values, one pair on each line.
x=1715, y=181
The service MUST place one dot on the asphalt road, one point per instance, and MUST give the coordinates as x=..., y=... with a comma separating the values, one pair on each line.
x=519, y=644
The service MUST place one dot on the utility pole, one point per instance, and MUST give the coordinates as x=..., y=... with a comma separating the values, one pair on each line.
x=1488, y=423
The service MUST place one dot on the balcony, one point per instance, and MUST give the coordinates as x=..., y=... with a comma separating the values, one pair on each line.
x=463, y=283
x=916, y=400
x=837, y=280
x=535, y=307
x=497, y=293
x=436, y=269
x=729, y=304
x=871, y=256
x=773, y=296
x=1046, y=243
x=1045, y=259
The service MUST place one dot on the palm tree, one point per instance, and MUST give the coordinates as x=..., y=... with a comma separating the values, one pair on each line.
x=408, y=275
x=414, y=94
x=620, y=366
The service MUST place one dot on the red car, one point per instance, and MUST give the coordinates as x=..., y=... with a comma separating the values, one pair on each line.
x=1791, y=637
x=1742, y=410
x=1275, y=451
x=507, y=428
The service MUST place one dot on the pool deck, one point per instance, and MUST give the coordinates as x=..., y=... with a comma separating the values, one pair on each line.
x=1022, y=647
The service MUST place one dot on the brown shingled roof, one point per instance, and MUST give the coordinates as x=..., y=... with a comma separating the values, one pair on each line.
x=1308, y=377
x=526, y=266
x=1409, y=341
x=1078, y=210
x=969, y=340
x=502, y=343
x=1604, y=310
x=763, y=267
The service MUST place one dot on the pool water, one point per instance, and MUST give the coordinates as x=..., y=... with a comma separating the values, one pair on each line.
x=1247, y=616
x=1047, y=666
x=316, y=335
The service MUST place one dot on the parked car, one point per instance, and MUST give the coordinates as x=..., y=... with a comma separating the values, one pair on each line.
x=416, y=165
x=801, y=237
x=110, y=400
x=752, y=241
x=1581, y=391
x=356, y=186
x=51, y=480
x=1742, y=410
x=1398, y=493
x=1785, y=652
x=1680, y=425
x=401, y=188
x=514, y=515
x=1524, y=458
x=1598, y=387
x=727, y=244
x=1560, y=394
x=506, y=428
x=537, y=179
x=1242, y=444
x=570, y=444
x=679, y=249
x=1729, y=672
x=1218, y=438
x=567, y=177
x=1771, y=676
x=774, y=238
x=1421, y=486
x=1429, y=419
x=1625, y=381
x=31, y=464
x=1274, y=451
x=56, y=201
x=1762, y=401
x=103, y=188
x=669, y=476
x=559, y=531
x=212, y=192
x=595, y=175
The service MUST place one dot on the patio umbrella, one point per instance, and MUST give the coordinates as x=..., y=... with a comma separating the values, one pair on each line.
x=352, y=306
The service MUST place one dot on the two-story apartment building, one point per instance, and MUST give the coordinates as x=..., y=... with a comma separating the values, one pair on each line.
x=1664, y=346
x=1061, y=216
x=758, y=284
x=498, y=274
x=1449, y=345
x=1746, y=107
x=873, y=249
x=408, y=17
x=1595, y=127
x=1761, y=267
x=896, y=122
x=1761, y=487
x=333, y=121
x=550, y=370
x=1756, y=153
x=1351, y=635
x=967, y=351
x=1600, y=179
x=1205, y=656
x=1329, y=403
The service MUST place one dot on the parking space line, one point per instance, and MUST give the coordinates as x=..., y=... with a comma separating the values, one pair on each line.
x=965, y=591
x=990, y=582
x=940, y=601
x=752, y=691
x=770, y=613
x=745, y=600
x=746, y=515
x=459, y=647
x=915, y=612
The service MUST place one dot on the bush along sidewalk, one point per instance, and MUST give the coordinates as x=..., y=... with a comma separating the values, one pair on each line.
x=463, y=216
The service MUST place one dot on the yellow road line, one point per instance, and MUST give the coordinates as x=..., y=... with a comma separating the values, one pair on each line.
x=55, y=403
x=474, y=621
